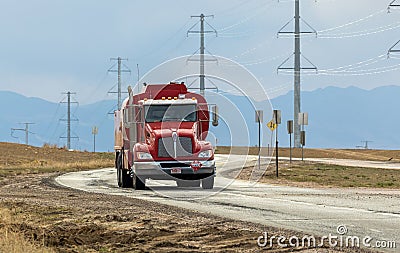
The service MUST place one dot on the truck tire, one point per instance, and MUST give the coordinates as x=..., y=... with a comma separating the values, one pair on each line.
x=188, y=183
x=138, y=184
x=207, y=183
x=127, y=181
x=124, y=179
x=119, y=179
x=118, y=166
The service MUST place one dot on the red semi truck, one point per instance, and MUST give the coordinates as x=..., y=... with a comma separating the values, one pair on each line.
x=161, y=134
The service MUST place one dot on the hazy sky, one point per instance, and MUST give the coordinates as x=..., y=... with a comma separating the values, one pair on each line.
x=52, y=46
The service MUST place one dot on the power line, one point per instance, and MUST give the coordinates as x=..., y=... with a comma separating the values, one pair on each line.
x=297, y=66
x=202, y=32
x=26, y=130
x=119, y=71
x=69, y=119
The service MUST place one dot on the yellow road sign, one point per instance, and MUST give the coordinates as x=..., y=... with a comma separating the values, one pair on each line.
x=271, y=125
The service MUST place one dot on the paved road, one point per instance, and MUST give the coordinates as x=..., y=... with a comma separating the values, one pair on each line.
x=373, y=213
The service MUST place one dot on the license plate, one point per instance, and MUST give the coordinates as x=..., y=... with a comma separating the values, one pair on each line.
x=176, y=171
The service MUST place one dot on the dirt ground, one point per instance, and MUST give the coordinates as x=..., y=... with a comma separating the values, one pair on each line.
x=67, y=220
x=58, y=219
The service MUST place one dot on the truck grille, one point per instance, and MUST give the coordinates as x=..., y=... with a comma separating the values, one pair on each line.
x=166, y=147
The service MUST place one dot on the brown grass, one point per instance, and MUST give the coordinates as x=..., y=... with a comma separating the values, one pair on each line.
x=16, y=242
x=19, y=159
x=326, y=175
x=356, y=154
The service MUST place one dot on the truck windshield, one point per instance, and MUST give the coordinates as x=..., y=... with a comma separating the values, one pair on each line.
x=158, y=113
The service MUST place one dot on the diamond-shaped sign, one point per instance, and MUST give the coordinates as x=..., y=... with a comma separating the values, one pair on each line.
x=271, y=125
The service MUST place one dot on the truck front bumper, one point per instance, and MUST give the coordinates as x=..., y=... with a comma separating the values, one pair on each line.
x=170, y=170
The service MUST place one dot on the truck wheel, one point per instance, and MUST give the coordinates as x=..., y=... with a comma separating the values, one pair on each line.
x=124, y=179
x=118, y=166
x=207, y=183
x=138, y=184
x=119, y=177
x=127, y=181
x=188, y=183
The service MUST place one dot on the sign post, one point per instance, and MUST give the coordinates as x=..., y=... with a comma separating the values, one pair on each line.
x=272, y=126
x=277, y=120
x=303, y=143
x=303, y=121
x=259, y=119
x=290, y=132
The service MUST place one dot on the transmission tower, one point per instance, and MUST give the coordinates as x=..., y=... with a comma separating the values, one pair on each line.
x=394, y=49
x=393, y=5
x=297, y=66
x=365, y=146
x=119, y=70
x=69, y=119
x=202, y=33
x=26, y=130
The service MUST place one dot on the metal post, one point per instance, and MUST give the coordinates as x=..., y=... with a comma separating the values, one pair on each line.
x=290, y=147
x=272, y=139
x=259, y=120
x=26, y=133
x=290, y=132
x=138, y=77
x=277, y=149
x=95, y=130
x=297, y=73
x=302, y=143
x=119, y=83
x=259, y=145
x=202, y=86
x=277, y=121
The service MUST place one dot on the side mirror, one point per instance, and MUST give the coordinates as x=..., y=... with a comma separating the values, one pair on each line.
x=215, y=115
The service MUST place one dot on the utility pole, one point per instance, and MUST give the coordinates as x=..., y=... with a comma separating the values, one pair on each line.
x=297, y=66
x=202, y=32
x=95, y=131
x=26, y=130
x=138, y=77
x=119, y=71
x=68, y=120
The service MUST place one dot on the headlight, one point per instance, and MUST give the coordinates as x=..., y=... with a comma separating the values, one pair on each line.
x=143, y=156
x=205, y=153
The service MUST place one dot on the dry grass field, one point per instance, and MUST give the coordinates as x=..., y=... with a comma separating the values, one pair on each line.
x=309, y=174
x=355, y=154
x=17, y=159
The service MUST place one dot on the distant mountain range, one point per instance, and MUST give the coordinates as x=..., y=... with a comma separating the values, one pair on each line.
x=338, y=118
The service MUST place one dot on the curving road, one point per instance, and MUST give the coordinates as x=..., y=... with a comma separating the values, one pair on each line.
x=365, y=212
